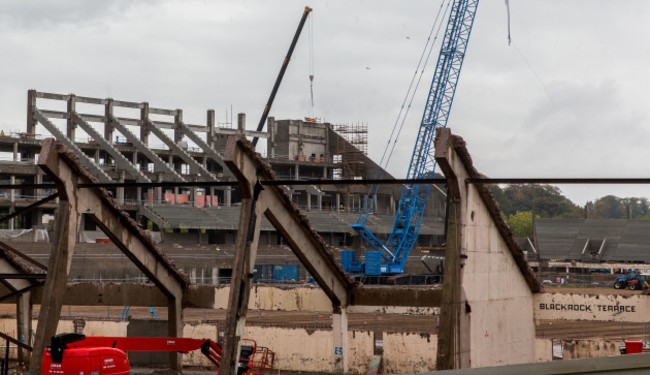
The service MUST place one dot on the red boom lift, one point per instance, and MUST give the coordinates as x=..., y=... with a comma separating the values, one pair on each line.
x=76, y=354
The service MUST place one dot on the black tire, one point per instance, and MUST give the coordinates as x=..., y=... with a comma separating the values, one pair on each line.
x=635, y=286
x=619, y=284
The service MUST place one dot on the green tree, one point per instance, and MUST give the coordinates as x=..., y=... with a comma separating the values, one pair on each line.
x=521, y=223
x=545, y=200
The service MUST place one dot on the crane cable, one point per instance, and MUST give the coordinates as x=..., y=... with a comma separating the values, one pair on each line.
x=508, y=11
x=311, y=65
x=406, y=105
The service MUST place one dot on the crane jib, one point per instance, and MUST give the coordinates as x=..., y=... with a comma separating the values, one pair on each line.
x=412, y=204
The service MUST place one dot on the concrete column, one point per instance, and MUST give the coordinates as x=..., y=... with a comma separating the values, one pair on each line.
x=38, y=179
x=31, y=104
x=67, y=227
x=296, y=172
x=70, y=129
x=97, y=156
x=338, y=202
x=175, y=329
x=241, y=122
x=16, y=152
x=324, y=172
x=308, y=200
x=120, y=190
x=12, y=181
x=138, y=192
x=108, y=126
x=144, y=126
x=319, y=199
x=228, y=197
x=211, y=128
x=24, y=325
x=178, y=133
x=340, y=339
x=195, y=203
x=176, y=195
x=247, y=241
x=158, y=190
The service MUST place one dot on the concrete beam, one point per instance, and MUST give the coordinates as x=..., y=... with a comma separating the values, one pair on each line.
x=287, y=219
x=249, y=168
x=63, y=167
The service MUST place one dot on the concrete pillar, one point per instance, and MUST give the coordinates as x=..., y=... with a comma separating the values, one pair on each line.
x=340, y=340
x=120, y=190
x=67, y=227
x=108, y=126
x=308, y=200
x=24, y=325
x=138, y=193
x=16, y=152
x=31, y=104
x=319, y=199
x=178, y=119
x=70, y=129
x=338, y=202
x=144, y=126
x=194, y=197
x=241, y=122
x=176, y=195
x=12, y=181
x=158, y=190
x=38, y=179
x=296, y=172
x=228, y=197
x=247, y=241
x=175, y=329
x=211, y=128
x=97, y=156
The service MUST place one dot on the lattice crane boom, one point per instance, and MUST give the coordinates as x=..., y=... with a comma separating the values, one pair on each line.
x=436, y=114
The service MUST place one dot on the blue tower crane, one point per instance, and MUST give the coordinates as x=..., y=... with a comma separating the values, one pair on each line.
x=390, y=257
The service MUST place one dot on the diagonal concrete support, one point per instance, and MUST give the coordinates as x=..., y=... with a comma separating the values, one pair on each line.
x=272, y=201
x=63, y=167
x=485, y=274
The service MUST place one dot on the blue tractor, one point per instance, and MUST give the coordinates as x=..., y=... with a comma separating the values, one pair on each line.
x=631, y=280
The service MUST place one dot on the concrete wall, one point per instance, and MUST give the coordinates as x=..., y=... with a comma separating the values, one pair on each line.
x=296, y=349
x=606, y=307
x=501, y=326
x=409, y=352
x=306, y=298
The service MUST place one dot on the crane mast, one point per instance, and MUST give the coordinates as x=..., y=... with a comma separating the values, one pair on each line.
x=412, y=203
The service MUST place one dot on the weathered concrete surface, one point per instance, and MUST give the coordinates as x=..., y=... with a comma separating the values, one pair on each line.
x=64, y=168
x=409, y=352
x=543, y=350
x=487, y=303
x=605, y=307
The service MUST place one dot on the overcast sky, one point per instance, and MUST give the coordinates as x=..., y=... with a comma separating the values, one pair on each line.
x=567, y=99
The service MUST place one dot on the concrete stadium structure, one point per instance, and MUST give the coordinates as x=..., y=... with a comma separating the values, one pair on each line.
x=486, y=274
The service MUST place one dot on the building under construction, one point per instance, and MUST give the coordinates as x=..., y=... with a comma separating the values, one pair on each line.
x=129, y=142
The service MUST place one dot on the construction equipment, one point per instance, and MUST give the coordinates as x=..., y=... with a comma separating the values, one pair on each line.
x=76, y=354
x=390, y=257
x=283, y=69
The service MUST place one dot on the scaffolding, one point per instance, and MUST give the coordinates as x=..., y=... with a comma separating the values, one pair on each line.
x=352, y=145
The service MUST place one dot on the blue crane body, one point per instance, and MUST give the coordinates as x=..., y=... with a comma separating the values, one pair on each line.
x=390, y=257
